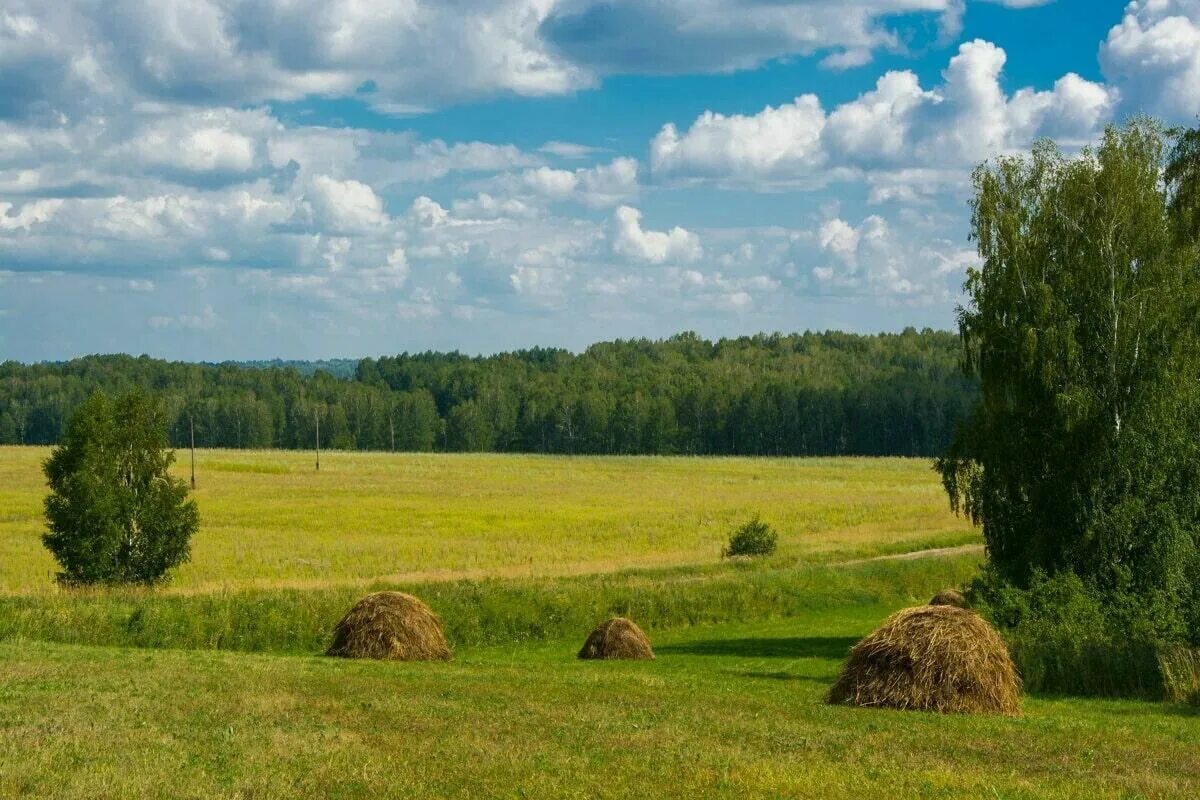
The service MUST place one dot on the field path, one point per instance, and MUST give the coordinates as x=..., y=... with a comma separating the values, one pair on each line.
x=933, y=552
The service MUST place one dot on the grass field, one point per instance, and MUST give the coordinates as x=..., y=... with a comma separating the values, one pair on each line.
x=726, y=711
x=269, y=520
x=213, y=686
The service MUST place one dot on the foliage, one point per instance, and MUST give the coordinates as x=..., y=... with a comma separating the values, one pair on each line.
x=1182, y=176
x=802, y=394
x=1063, y=641
x=1080, y=457
x=754, y=538
x=115, y=514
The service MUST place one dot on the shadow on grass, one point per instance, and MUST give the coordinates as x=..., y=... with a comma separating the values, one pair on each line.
x=779, y=676
x=785, y=647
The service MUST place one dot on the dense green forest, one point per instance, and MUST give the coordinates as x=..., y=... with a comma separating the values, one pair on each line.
x=802, y=394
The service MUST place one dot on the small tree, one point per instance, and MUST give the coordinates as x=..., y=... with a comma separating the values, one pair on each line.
x=115, y=514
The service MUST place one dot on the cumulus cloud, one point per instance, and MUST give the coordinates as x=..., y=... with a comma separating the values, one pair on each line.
x=871, y=258
x=964, y=120
x=1153, y=55
x=345, y=205
x=599, y=186
x=654, y=247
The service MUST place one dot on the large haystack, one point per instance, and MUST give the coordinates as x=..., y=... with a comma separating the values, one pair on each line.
x=931, y=658
x=390, y=625
x=950, y=597
x=617, y=638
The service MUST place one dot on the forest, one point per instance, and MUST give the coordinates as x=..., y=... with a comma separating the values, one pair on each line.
x=825, y=393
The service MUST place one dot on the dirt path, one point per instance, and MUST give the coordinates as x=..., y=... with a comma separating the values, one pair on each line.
x=934, y=552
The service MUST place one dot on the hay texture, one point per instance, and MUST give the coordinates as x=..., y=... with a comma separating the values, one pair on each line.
x=931, y=658
x=390, y=625
x=617, y=638
x=950, y=597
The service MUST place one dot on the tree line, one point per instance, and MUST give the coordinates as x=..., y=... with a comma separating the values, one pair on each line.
x=770, y=394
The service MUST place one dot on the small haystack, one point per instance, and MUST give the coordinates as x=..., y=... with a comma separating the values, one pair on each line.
x=617, y=638
x=950, y=597
x=390, y=625
x=931, y=658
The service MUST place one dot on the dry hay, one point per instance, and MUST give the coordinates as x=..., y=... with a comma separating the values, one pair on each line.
x=617, y=638
x=390, y=625
x=931, y=658
x=950, y=597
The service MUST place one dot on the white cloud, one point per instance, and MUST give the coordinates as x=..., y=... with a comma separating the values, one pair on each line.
x=345, y=205
x=1153, y=55
x=874, y=259
x=598, y=186
x=656, y=247
x=782, y=140
x=966, y=119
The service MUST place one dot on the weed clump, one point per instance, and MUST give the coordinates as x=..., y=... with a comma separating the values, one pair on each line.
x=931, y=658
x=617, y=638
x=755, y=538
x=390, y=625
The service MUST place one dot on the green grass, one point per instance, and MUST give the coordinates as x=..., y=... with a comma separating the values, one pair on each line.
x=726, y=711
x=212, y=686
x=475, y=612
x=268, y=520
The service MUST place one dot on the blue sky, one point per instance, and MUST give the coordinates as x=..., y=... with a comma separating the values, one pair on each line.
x=222, y=179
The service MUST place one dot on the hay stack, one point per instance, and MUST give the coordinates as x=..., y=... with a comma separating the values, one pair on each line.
x=390, y=625
x=931, y=658
x=950, y=597
x=617, y=638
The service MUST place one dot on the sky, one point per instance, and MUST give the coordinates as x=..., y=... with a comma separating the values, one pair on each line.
x=238, y=179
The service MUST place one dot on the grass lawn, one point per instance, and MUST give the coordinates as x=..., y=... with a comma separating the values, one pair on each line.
x=268, y=520
x=726, y=711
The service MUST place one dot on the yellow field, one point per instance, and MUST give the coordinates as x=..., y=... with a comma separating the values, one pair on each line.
x=268, y=519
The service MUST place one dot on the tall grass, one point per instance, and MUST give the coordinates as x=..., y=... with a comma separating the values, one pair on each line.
x=474, y=612
x=1180, y=667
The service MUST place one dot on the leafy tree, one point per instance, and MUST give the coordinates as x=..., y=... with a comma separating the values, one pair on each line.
x=1182, y=176
x=1081, y=455
x=115, y=513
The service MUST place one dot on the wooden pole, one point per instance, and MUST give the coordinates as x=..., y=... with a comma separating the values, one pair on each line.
x=192, y=433
x=392, y=432
x=317, y=417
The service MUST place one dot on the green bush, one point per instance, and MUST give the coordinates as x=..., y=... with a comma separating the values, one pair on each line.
x=1064, y=640
x=755, y=538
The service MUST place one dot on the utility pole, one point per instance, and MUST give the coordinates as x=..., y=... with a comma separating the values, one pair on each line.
x=192, y=434
x=317, y=417
x=392, y=432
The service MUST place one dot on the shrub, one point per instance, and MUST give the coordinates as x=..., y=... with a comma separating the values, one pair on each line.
x=755, y=538
x=1064, y=640
x=115, y=514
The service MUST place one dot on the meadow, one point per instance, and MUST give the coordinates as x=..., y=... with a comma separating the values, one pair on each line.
x=269, y=520
x=214, y=686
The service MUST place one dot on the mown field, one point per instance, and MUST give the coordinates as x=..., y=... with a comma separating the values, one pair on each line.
x=214, y=685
